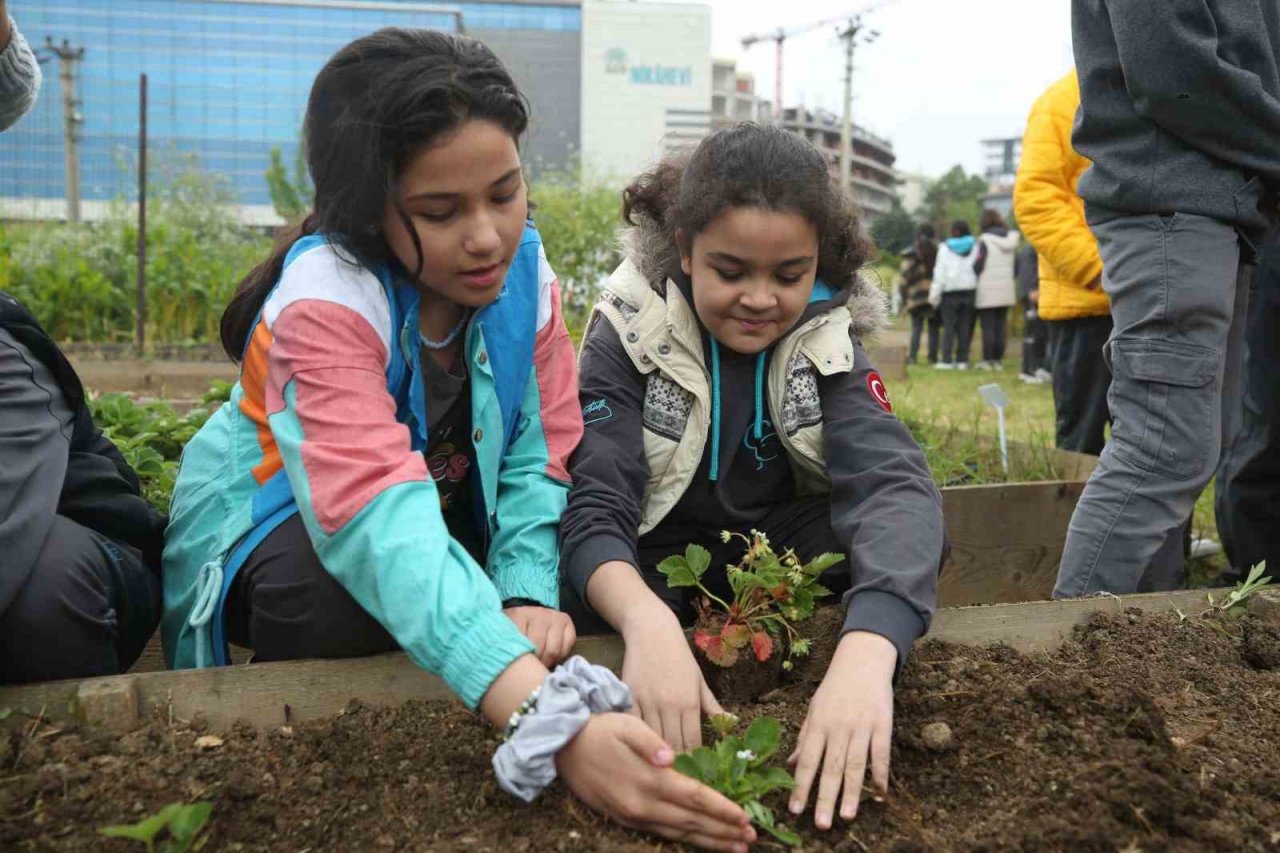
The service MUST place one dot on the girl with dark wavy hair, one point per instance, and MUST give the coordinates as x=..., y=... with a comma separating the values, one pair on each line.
x=725, y=388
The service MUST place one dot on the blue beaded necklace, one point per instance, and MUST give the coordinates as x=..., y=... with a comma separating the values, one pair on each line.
x=452, y=336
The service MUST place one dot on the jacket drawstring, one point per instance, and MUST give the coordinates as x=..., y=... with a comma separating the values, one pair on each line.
x=208, y=591
x=757, y=426
x=759, y=422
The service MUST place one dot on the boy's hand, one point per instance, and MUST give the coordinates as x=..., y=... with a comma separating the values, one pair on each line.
x=850, y=718
x=550, y=630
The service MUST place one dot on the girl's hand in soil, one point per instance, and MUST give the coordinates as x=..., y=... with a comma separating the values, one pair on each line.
x=623, y=769
x=659, y=667
x=666, y=684
x=850, y=717
x=550, y=630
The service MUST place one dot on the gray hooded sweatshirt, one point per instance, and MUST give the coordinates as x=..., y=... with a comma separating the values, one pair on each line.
x=1179, y=106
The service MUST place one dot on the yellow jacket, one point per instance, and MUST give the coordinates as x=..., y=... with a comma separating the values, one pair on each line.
x=1050, y=212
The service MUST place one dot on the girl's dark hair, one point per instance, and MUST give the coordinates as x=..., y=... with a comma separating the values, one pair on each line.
x=749, y=166
x=990, y=219
x=960, y=228
x=374, y=106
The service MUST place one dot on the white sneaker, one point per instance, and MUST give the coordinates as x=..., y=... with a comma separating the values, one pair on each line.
x=996, y=366
x=982, y=365
x=1044, y=375
x=963, y=365
x=943, y=365
x=1028, y=378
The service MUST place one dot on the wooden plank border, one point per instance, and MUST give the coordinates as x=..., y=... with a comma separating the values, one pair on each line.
x=273, y=694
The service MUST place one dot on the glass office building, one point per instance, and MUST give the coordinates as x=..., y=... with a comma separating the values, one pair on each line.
x=228, y=82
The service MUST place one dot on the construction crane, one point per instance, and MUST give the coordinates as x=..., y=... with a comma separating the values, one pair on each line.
x=780, y=35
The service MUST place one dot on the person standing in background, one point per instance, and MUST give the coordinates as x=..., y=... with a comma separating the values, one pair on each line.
x=1035, y=336
x=952, y=295
x=1070, y=301
x=19, y=72
x=995, y=292
x=1180, y=115
x=915, y=280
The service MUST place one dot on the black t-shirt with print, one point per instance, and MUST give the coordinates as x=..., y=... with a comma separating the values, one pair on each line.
x=450, y=454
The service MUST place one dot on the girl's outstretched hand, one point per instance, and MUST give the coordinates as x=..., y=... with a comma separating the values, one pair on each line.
x=622, y=769
x=850, y=718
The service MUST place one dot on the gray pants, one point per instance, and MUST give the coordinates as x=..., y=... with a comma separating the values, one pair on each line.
x=1248, y=485
x=73, y=603
x=1173, y=283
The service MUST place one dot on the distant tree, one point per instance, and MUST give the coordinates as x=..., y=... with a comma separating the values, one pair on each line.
x=956, y=195
x=894, y=231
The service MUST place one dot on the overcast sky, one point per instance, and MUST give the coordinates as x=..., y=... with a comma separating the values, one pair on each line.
x=943, y=74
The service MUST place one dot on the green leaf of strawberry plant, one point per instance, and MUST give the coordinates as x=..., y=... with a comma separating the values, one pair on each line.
x=821, y=563
x=678, y=572
x=698, y=559
x=762, y=737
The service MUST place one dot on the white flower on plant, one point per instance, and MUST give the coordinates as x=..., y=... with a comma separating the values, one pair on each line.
x=746, y=755
x=725, y=536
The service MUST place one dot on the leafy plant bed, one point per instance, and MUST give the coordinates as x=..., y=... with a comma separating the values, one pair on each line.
x=1145, y=731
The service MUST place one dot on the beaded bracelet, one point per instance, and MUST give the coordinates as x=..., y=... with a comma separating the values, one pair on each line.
x=528, y=706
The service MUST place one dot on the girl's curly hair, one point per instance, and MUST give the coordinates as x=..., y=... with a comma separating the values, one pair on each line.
x=747, y=165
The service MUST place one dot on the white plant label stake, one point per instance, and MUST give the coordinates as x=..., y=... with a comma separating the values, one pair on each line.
x=994, y=395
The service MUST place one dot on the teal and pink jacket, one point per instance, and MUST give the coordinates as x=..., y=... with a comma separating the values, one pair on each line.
x=328, y=420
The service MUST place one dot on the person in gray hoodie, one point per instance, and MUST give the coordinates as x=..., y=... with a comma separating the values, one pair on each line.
x=1180, y=116
x=724, y=387
x=19, y=72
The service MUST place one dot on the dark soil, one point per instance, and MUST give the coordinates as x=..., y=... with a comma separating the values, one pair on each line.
x=1147, y=732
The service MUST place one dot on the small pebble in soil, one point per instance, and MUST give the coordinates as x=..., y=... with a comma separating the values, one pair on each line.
x=936, y=736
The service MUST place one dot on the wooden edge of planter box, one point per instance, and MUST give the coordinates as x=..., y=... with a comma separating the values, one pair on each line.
x=268, y=695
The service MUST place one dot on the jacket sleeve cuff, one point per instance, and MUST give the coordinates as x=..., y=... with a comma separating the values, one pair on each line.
x=592, y=554
x=885, y=614
x=484, y=648
x=544, y=590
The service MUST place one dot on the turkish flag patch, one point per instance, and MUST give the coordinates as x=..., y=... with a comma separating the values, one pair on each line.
x=878, y=392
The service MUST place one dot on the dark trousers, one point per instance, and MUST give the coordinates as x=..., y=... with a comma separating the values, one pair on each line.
x=1247, y=498
x=285, y=605
x=1080, y=382
x=957, y=326
x=87, y=609
x=1035, y=342
x=920, y=319
x=73, y=602
x=803, y=524
x=995, y=332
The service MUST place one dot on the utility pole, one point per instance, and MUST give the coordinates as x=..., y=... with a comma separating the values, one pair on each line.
x=140, y=315
x=68, y=56
x=849, y=35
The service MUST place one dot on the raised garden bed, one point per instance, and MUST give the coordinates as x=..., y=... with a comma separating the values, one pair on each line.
x=1095, y=725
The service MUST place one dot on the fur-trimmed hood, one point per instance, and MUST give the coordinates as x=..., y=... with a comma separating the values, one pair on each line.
x=657, y=258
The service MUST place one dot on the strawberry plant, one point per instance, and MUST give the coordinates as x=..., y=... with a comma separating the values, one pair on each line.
x=184, y=822
x=770, y=594
x=735, y=767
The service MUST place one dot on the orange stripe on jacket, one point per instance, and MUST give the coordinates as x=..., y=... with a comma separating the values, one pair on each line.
x=253, y=405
